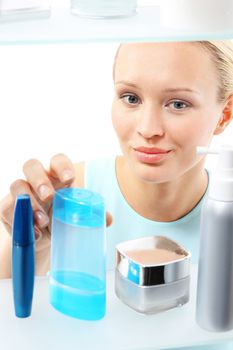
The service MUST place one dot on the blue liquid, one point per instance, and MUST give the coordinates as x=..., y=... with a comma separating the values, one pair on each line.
x=78, y=295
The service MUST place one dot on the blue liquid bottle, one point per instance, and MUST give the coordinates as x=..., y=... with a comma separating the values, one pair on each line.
x=78, y=254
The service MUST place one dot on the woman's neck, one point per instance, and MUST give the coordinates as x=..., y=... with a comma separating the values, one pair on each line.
x=162, y=202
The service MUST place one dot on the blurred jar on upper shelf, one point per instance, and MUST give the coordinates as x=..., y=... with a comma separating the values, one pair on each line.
x=104, y=8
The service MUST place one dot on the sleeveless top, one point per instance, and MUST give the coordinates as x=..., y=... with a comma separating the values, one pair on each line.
x=100, y=176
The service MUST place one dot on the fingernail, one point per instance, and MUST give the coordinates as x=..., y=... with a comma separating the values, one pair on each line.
x=41, y=218
x=44, y=191
x=67, y=175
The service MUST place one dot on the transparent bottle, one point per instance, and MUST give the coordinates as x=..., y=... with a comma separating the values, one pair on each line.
x=78, y=254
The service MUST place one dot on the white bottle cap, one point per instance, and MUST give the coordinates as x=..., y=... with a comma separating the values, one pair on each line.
x=221, y=181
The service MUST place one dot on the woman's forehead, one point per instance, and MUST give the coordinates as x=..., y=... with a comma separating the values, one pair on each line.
x=156, y=66
x=153, y=52
x=153, y=58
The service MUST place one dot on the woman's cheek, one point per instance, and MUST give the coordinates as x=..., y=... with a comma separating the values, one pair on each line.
x=192, y=132
x=123, y=125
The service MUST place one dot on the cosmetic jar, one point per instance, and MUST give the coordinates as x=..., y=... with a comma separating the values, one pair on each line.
x=104, y=9
x=197, y=15
x=152, y=274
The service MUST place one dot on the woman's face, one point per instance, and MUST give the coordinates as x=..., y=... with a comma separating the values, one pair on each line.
x=165, y=105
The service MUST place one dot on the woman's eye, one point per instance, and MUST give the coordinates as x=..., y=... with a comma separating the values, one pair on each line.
x=179, y=105
x=130, y=99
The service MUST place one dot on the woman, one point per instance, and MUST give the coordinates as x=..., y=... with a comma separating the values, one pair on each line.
x=169, y=99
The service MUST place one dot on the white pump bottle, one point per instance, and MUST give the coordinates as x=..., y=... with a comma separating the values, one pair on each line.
x=214, y=309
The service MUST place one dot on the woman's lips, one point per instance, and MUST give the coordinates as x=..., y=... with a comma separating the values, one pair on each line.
x=151, y=155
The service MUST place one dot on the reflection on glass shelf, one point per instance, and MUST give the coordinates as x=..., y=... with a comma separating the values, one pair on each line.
x=21, y=10
x=63, y=27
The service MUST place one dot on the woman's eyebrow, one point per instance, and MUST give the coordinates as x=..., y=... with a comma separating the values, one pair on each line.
x=167, y=90
x=126, y=83
x=181, y=89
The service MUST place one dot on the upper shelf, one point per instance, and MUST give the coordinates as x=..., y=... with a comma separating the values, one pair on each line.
x=63, y=27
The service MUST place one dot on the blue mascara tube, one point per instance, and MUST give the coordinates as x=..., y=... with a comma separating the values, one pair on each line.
x=23, y=256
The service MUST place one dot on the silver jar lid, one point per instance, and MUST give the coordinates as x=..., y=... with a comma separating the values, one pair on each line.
x=152, y=274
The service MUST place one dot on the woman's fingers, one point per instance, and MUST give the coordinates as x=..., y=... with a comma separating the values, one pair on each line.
x=62, y=169
x=41, y=218
x=43, y=183
x=40, y=186
x=38, y=179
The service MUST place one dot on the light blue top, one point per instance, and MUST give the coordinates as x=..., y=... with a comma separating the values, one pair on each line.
x=100, y=176
x=127, y=224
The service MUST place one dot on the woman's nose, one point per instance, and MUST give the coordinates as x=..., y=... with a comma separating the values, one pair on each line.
x=150, y=122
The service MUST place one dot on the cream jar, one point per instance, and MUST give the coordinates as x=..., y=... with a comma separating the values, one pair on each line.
x=152, y=274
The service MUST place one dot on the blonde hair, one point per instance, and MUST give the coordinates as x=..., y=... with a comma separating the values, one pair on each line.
x=222, y=55
x=221, y=52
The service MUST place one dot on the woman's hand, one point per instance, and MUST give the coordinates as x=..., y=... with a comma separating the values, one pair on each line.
x=40, y=185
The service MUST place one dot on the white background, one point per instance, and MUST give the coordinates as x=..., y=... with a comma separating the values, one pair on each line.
x=57, y=99
x=54, y=99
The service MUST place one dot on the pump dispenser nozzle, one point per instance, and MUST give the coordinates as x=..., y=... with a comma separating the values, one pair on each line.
x=221, y=182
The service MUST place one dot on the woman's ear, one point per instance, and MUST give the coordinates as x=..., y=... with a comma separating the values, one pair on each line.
x=226, y=116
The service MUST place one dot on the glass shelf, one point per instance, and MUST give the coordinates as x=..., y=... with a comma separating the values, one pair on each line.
x=63, y=27
x=122, y=327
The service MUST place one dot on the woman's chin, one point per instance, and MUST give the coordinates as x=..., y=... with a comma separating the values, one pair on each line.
x=152, y=175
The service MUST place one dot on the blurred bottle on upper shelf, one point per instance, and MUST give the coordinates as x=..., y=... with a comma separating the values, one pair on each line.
x=104, y=8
